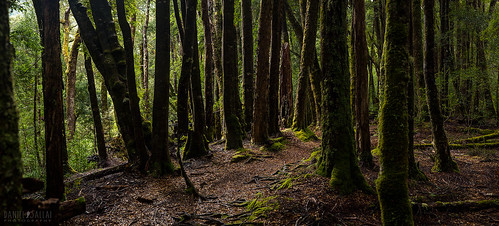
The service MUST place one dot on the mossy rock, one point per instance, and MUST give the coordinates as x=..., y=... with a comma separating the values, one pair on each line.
x=305, y=135
x=274, y=147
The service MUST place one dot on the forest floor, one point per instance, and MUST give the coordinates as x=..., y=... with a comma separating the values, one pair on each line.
x=280, y=188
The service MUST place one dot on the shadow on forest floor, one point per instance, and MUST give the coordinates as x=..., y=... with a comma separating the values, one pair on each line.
x=281, y=189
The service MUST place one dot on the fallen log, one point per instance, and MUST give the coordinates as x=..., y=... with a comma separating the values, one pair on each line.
x=478, y=138
x=31, y=185
x=72, y=208
x=97, y=174
x=51, y=210
x=458, y=206
x=461, y=146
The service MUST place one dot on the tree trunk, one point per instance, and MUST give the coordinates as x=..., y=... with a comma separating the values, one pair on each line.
x=275, y=55
x=160, y=155
x=10, y=162
x=99, y=131
x=443, y=161
x=208, y=70
x=286, y=87
x=392, y=180
x=337, y=159
x=145, y=62
x=417, y=54
x=217, y=56
x=260, y=111
x=362, y=134
x=55, y=142
x=71, y=86
x=184, y=80
x=306, y=64
x=248, y=80
x=446, y=58
x=35, y=119
x=230, y=89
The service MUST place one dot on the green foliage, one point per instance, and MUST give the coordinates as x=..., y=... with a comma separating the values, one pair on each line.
x=79, y=149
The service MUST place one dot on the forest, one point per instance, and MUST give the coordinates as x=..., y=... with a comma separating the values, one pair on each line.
x=246, y=112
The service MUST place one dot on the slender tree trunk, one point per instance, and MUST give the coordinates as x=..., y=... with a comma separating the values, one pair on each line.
x=248, y=80
x=106, y=120
x=183, y=82
x=145, y=62
x=392, y=180
x=230, y=88
x=160, y=154
x=143, y=152
x=99, y=131
x=446, y=58
x=35, y=119
x=306, y=64
x=443, y=161
x=362, y=134
x=337, y=159
x=55, y=141
x=275, y=55
x=260, y=111
x=208, y=69
x=217, y=56
x=66, y=27
x=10, y=162
x=417, y=33
x=71, y=86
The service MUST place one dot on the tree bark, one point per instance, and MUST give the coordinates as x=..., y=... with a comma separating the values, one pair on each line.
x=392, y=180
x=160, y=155
x=446, y=57
x=208, y=69
x=443, y=161
x=417, y=33
x=55, y=141
x=99, y=131
x=10, y=162
x=275, y=55
x=248, y=79
x=286, y=87
x=260, y=109
x=71, y=86
x=337, y=159
x=145, y=62
x=230, y=89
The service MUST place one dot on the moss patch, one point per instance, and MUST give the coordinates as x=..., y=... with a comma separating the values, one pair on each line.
x=305, y=135
x=260, y=206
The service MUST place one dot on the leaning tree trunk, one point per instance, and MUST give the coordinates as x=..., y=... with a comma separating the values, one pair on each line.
x=443, y=160
x=160, y=155
x=230, y=88
x=248, y=80
x=208, y=70
x=71, y=86
x=99, y=131
x=392, y=180
x=10, y=162
x=362, y=134
x=337, y=159
x=306, y=64
x=275, y=55
x=260, y=111
x=55, y=141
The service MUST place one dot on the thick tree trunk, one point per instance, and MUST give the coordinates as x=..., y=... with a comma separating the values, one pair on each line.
x=248, y=77
x=208, y=69
x=337, y=159
x=160, y=155
x=260, y=111
x=10, y=162
x=55, y=141
x=99, y=131
x=362, y=134
x=71, y=86
x=306, y=64
x=230, y=89
x=275, y=55
x=392, y=180
x=286, y=87
x=443, y=160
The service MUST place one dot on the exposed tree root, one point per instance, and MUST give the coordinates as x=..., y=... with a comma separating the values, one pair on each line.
x=461, y=146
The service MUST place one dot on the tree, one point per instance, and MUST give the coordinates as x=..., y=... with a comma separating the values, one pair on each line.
x=443, y=160
x=10, y=162
x=337, y=159
x=417, y=33
x=208, y=70
x=393, y=141
x=306, y=64
x=275, y=55
x=259, y=129
x=47, y=13
x=230, y=88
x=71, y=83
x=144, y=60
x=99, y=131
x=248, y=80
x=359, y=49
x=160, y=155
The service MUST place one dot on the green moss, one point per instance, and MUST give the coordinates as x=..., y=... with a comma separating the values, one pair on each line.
x=159, y=169
x=315, y=155
x=287, y=183
x=274, y=147
x=260, y=206
x=196, y=146
x=376, y=152
x=305, y=135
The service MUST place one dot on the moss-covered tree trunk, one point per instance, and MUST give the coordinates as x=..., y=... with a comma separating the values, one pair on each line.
x=275, y=57
x=393, y=144
x=230, y=89
x=443, y=160
x=417, y=37
x=362, y=134
x=71, y=86
x=259, y=129
x=10, y=161
x=286, y=87
x=160, y=155
x=306, y=64
x=338, y=159
x=446, y=56
x=208, y=70
x=197, y=144
x=92, y=93
x=248, y=80
x=55, y=142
